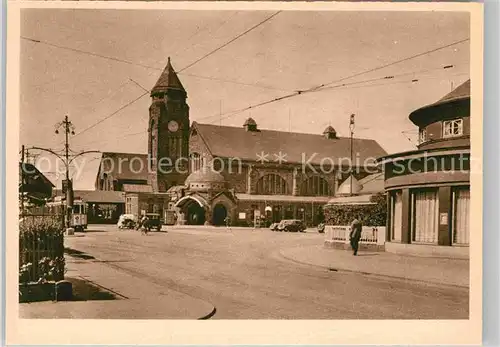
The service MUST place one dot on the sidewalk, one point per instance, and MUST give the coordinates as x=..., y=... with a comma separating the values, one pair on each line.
x=135, y=298
x=454, y=272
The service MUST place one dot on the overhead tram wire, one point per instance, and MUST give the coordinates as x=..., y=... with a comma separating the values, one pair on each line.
x=124, y=61
x=262, y=86
x=210, y=31
x=323, y=86
x=388, y=77
x=111, y=115
x=343, y=87
x=229, y=42
x=229, y=114
x=396, y=62
x=300, y=92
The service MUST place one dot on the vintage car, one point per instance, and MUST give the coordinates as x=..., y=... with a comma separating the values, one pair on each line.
x=153, y=222
x=274, y=226
x=126, y=221
x=292, y=225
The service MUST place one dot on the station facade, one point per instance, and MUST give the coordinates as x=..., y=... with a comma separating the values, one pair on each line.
x=207, y=173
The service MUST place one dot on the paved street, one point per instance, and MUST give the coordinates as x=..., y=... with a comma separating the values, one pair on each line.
x=242, y=273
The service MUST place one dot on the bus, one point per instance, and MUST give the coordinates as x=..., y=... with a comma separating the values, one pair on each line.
x=78, y=215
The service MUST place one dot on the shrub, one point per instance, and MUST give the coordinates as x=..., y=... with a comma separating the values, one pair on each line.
x=374, y=214
x=41, y=249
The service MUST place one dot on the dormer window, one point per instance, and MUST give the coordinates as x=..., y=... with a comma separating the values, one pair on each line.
x=452, y=128
x=422, y=135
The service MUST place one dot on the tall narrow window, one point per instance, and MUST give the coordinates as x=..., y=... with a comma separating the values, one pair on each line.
x=272, y=184
x=422, y=135
x=195, y=162
x=315, y=186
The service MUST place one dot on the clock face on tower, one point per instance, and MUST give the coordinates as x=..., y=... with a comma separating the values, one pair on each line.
x=173, y=126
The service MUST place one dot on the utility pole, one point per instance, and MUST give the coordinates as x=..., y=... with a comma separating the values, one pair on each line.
x=67, y=159
x=351, y=128
x=67, y=128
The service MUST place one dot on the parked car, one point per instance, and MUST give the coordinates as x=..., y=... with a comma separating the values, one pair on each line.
x=126, y=221
x=274, y=226
x=292, y=225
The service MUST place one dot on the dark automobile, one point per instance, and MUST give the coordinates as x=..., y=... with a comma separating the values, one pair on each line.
x=292, y=225
x=153, y=222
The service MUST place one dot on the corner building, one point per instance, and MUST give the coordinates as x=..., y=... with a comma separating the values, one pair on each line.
x=429, y=189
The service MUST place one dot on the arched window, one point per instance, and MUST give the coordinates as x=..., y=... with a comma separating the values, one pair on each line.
x=272, y=184
x=195, y=162
x=315, y=186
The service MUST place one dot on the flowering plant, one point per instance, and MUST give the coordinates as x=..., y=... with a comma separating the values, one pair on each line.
x=24, y=273
x=51, y=269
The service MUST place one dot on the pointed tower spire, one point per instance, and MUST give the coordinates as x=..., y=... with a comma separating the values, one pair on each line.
x=168, y=80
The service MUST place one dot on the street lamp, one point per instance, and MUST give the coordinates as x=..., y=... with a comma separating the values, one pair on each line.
x=68, y=129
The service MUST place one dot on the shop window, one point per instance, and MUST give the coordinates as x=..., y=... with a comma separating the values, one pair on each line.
x=396, y=215
x=461, y=215
x=452, y=128
x=425, y=215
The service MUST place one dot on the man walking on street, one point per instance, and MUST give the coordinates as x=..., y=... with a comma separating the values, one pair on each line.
x=355, y=234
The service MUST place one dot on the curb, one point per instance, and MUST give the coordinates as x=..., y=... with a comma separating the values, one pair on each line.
x=405, y=279
x=210, y=315
x=207, y=316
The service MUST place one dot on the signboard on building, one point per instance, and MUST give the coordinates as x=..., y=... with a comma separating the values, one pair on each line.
x=242, y=215
x=443, y=218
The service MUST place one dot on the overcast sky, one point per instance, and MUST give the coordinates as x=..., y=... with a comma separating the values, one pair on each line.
x=293, y=51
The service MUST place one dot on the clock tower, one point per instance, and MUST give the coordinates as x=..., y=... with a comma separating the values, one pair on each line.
x=168, y=132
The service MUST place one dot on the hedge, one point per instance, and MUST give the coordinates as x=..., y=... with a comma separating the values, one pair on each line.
x=369, y=214
x=41, y=249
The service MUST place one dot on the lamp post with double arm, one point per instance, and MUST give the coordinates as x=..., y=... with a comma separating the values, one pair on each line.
x=67, y=127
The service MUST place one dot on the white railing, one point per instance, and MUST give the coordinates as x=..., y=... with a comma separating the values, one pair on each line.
x=369, y=235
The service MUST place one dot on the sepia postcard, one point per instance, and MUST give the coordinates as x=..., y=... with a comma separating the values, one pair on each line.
x=244, y=173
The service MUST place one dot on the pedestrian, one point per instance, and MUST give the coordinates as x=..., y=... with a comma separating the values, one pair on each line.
x=228, y=223
x=355, y=234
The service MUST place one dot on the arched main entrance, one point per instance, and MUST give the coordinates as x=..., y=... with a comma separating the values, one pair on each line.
x=195, y=214
x=219, y=215
x=193, y=208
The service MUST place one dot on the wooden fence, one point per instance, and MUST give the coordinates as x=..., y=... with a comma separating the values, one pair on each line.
x=339, y=234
